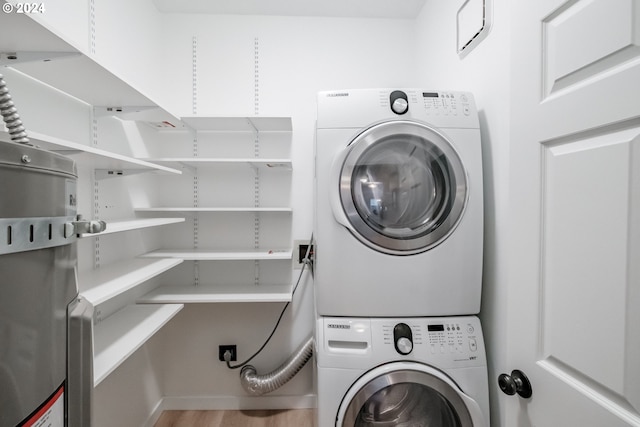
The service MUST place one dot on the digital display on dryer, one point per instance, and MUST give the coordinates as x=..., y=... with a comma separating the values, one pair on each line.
x=435, y=328
x=429, y=95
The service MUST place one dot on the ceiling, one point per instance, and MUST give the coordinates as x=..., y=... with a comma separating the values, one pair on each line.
x=394, y=9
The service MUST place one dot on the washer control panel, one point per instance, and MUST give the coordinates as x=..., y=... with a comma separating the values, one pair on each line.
x=448, y=342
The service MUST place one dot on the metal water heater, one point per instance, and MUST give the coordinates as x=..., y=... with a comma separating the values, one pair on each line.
x=46, y=371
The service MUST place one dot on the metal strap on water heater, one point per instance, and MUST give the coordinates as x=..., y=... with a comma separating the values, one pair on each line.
x=28, y=234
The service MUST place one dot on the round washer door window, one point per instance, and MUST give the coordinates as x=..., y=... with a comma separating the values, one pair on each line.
x=403, y=187
x=405, y=398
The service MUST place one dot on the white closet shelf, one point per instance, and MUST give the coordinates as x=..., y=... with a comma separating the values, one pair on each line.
x=216, y=255
x=253, y=162
x=42, y=54
x=218, y=209
x=239, y=124
x=136, y=224
x=121, y=334
x=99, y=159
x=217, y=294
x=107, y=282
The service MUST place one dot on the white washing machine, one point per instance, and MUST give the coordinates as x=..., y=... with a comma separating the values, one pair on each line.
x=399, y=203
x=405, y=372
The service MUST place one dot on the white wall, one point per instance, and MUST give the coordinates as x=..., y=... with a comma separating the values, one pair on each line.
x=485, y=72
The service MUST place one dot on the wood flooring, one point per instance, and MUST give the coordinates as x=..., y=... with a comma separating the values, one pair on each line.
x=253, y=418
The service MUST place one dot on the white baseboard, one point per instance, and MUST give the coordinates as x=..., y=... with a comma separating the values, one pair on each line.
x=210, y=403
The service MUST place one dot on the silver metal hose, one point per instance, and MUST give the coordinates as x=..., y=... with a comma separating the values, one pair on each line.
x=260, y=384
x=10, y=115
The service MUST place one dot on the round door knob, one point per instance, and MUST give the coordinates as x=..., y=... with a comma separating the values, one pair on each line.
x=517, y=382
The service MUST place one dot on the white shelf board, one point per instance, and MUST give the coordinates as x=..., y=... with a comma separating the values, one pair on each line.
x=107, y=282
x=136, y=224
x=213, y=255
x=99, y=159
x=23, y=35
x=214, y=210
x=239, y=124
x=248, y=161
x=217, y=294
x=121, y=334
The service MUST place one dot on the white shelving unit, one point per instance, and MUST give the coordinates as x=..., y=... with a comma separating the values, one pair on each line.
x=94, y=157
x=213, y=210
x=108, y=282
x=217, y=294
x=212, y=255
x=203, y=161
x=41, y=55
x=121, y=334
x=135, y=224
x=239, y=124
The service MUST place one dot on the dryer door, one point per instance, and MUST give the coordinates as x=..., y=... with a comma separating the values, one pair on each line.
x=407, y=395
x=403, y=187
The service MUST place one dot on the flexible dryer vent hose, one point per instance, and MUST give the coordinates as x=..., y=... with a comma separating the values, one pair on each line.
x=10, y=115
x=257, y=385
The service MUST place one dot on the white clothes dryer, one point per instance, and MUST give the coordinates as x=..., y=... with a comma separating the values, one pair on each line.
x=399, y=203
x=401, y=372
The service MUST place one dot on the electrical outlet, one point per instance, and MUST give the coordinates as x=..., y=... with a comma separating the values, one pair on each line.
x=299, y=251
x=224, y=348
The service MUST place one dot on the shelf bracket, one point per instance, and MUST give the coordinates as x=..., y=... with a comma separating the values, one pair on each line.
x=116, y=173
x=20, y=57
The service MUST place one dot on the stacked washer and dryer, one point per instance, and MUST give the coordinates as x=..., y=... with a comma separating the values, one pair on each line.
x=398, y=260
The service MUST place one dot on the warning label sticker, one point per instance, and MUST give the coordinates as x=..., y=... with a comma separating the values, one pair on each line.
x=49, y=414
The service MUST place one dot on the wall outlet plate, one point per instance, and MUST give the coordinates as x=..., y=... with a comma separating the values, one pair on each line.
x=224, y=348
x=299, y=251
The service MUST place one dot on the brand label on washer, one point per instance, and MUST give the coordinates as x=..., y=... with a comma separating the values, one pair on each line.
x=338, y=326
x=49, y=414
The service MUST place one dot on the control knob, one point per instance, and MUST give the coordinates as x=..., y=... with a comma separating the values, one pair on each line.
x=403, y=338
x=399, y=102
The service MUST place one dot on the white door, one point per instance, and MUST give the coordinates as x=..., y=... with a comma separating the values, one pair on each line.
x=574, y=290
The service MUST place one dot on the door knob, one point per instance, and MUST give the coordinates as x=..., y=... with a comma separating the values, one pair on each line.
x=517, y=382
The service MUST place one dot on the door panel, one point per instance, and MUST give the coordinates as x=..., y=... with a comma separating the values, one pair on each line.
x=586, y=247
x=605, y=26
x=575, y=188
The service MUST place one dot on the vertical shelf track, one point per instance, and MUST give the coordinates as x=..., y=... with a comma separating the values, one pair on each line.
x=256, y=154
x=196, y=203
x=95, y=184
x=194, y=110
x=92, y=26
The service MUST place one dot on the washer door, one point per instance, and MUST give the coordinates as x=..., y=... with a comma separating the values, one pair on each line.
x=407, y=395
x=403, y=187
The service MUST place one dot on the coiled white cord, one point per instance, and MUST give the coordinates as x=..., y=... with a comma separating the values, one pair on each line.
x=10, y=115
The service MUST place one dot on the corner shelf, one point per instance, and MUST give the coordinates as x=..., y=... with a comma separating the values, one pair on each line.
x=214, y=210
x=97, y=158
x=121, y=334
x=214, y=255
x=256, y=163
x=217, y=294
x=239, y=124
x=136, y=224
x=107, y=282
